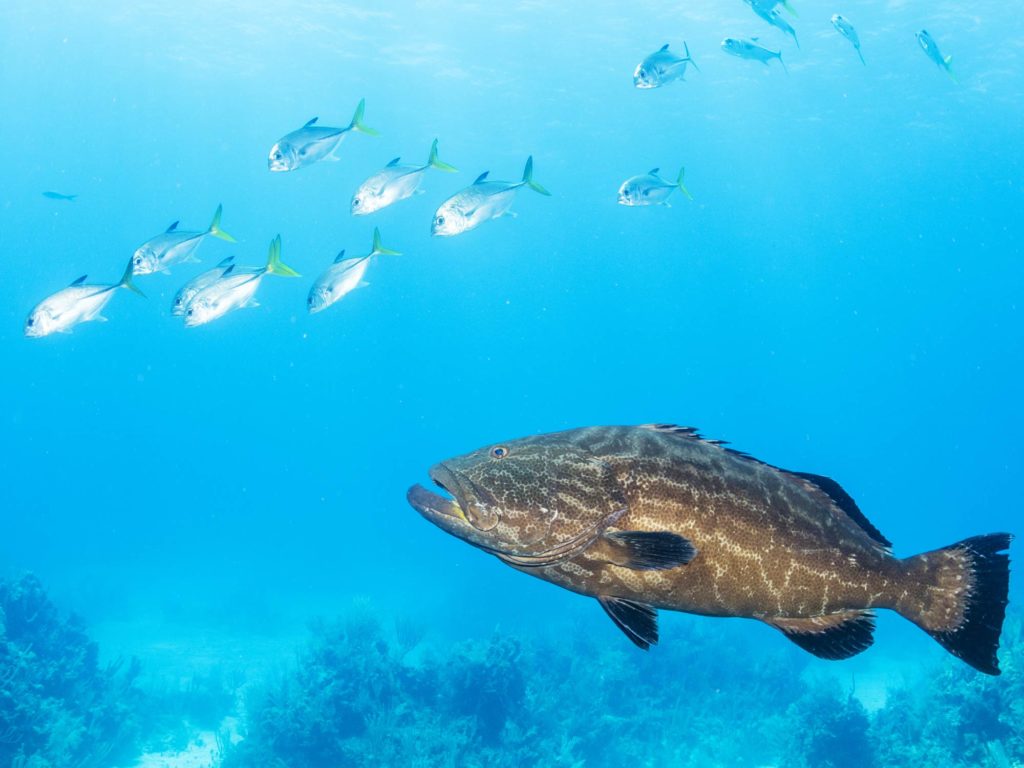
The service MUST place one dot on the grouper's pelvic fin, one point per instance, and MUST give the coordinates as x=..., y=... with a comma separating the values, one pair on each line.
x=966, y=588
x=528, y=178
x=638, y=621
x=357, y=121
x=831, y=636
x=274, y=264
x=215, y=229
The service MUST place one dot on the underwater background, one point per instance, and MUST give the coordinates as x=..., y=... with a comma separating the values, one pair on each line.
x=224, y=507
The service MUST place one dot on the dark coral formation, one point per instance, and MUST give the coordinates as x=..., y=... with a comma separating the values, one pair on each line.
x=58, y=707
x=358, y=698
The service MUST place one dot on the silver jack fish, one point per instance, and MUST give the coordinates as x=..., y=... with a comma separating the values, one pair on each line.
x=175, y=246
x=651, y=189
x=78, y=303
x=773, y=17
x=235, y=289
x=662, y=67
x=655, y=517
x=846, y=29
x=344, y=276
x=483, y=201
x=312, y=143
x=393, y=183
x=931, y=50
x=749, y=49
x=186, y=293
x=60, y=196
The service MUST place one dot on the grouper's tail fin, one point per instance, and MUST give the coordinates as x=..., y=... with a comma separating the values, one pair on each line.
x=126, y=278
x=528, y=178
x=964, y=597
x=435, y=162
x=274, y=264
x=357, y=121
x=215, y=229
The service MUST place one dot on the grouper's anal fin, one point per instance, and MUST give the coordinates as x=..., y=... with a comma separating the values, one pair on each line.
x=832, y=636
x=643, y=550
x=638, y=621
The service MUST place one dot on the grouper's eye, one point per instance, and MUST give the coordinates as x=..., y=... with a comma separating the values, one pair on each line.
x=499, y=452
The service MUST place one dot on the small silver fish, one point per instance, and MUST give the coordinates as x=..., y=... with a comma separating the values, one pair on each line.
x=650, y=189
x=78, y=303
x=174, y=246
x=749, y=49
x=60, y=196
x=483, y=201
x=846, y=29
x=344, y=276
x=198, y=283
x=773, y=17
x=662, y=67
x=312, y=143
x=931, y=50
x=235, y=289
x=393, y=183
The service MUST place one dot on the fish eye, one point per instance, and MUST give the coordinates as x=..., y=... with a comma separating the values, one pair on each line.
x=190, y=312
x=440, y=221
x=31, y=322
x=138, y=261
x=355, y=201
x=499, y=452
x=642, y=73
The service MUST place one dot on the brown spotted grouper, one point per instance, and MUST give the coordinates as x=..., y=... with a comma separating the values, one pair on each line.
x=654, y=517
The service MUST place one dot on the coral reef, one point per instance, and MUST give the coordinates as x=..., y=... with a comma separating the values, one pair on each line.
x=58, y=707
x=359, y=697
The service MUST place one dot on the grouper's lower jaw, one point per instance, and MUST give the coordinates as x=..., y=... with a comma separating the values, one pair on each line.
x=443, y=512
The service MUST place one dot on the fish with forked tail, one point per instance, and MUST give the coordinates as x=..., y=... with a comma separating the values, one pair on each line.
x=662, y=67
x=655, y=516
x=312, y=143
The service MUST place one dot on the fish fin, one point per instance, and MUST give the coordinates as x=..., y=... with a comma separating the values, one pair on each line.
x=689, y=58
x=861, y=56
x=973, y=576
x=225, y=262
x=638, y=621
x=357, y=121
x=949, y=70
x=173, y=227
x=191, y=259
x=228, y=271
x=250, y=304
x=310, y=122
x=126, y=278
x=665, y=203
x=379, y=249
x=215, y=229
x=844, y=501
x=679, y=183
x=100, y=318
x=435, y=162
x=528, y=178
x=481, y=178
x=340, y=257
x=164, y=271
x=363, y=284
x=663, y=48
x=644, y=550
x=785, y=4
x=779, y=57
x=832, y=636
x=79, y=281
x=653, y=171
x=393, y=163
x=274, y=264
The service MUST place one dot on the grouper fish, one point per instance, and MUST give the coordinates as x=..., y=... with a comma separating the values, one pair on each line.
x=656, y=517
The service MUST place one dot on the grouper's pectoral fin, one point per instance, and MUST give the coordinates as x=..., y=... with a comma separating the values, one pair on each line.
x=638, y=620
x=832, y=636
x=644, y=550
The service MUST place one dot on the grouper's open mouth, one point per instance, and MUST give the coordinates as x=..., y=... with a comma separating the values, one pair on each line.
x=443, y=511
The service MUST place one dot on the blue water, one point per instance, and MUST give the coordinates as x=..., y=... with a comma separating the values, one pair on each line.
x=842, y=296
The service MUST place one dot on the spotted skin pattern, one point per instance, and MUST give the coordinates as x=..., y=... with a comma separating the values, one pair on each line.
x=770, y=544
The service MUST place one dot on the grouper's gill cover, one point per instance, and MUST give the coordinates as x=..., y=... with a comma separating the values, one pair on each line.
x=532, y=498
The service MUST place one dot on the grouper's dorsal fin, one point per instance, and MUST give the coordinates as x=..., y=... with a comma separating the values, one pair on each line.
x=832, y=636
x=638, y=621
x=643, y=550
x=845, y=502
